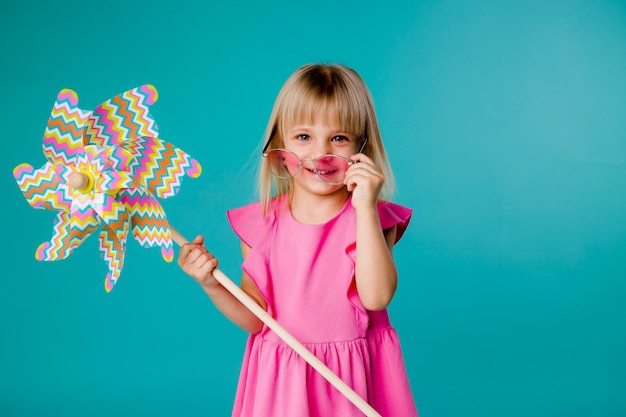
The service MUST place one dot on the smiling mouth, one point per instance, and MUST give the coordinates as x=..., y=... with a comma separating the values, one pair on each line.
x=319, y=172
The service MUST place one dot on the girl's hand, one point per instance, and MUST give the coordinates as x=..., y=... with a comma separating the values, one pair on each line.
x=364, y=180
x=198, y=262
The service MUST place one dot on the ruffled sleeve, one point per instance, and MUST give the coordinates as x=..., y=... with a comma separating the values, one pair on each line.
x=247, y=221
x=392, y=214
x=255, y=230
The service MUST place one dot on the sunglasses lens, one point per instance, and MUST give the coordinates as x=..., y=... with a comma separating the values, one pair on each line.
x=332, y=168
x=283, y=164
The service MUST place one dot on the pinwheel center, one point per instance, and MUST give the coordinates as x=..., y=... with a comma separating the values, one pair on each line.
x=81, y=181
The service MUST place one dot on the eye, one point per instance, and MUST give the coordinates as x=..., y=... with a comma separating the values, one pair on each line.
x=340, y=138
x=303, y=137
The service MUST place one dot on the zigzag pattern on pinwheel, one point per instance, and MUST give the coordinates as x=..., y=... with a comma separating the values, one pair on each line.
x=59, y=246
x=65, y=237
x=112, y=250
x=83, y=216
x=42, y=188
x=136, y=112
x=108, y=124
x=157, y=170
x=63, y=137
x=119, y=159
x=114, y=214
x=149, y=223
x=122, y=117
x=154, y=231
x=161, y=165
x=115, y=180
x=148, y=153
x=169, y=176
x=95, y=157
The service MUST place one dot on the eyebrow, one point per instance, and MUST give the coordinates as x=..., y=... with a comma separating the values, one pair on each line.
x=308, y=128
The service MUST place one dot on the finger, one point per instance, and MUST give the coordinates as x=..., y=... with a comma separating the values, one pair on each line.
x=363, y=173
x=363, y=165
x=364, y=169
x=203, y=257
x=185, y=250
x=207, y=263
x=361, y=157
x=353, y=180
x=188, y=247
x=364, y=180
x=195, y=254
x=206, y=268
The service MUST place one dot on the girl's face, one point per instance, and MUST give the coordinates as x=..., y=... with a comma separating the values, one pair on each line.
x=312, y=141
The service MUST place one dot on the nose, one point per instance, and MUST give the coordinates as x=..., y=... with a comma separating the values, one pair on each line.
x=321, y=148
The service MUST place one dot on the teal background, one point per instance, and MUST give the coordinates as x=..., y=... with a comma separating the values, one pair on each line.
x=505, y=125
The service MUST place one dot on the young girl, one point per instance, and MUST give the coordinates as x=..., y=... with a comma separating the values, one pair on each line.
x=317, y=252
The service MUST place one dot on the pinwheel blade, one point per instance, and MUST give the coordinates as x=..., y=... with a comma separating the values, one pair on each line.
x=124, y=116
x=113, y=214
x=112, y=250
x=42, y=187
x=160, y=166
x=148, y=221
x=110, y=167
x=63, y=137
x=68, y=233
x=113, y=235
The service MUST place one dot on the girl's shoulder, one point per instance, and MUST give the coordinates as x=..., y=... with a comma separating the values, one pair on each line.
x=392, y=214
x=248, y=220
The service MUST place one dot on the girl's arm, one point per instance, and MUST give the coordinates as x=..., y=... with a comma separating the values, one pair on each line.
x=376, y=274
x=197, y=262
x=375, y=271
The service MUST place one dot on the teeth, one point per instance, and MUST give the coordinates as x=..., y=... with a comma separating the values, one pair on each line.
x=318, y=172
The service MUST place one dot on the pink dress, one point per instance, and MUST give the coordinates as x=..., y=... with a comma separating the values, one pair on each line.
x=306, y=274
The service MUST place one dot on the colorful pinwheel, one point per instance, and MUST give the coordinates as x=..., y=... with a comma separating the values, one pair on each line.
x=105, y=167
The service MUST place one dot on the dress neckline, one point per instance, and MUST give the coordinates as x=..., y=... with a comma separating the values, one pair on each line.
x=293, y=220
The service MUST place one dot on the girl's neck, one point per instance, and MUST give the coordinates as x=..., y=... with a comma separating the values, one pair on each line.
x=317, y=209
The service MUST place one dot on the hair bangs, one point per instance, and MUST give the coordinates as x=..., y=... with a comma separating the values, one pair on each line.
x=317, y=100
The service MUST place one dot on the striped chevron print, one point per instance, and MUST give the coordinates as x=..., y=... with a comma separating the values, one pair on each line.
x=109, y=167
x=70, y=229
x=124, y=116
x=112, y=241
x=149, y=223
x=117, y=147
x=63, y=137
x=42, y=188
x=112, y=251
x=160, y=166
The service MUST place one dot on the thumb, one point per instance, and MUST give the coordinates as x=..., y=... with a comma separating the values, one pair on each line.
x=198, y=240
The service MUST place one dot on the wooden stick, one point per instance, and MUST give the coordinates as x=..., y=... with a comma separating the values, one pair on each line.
x=300, y=349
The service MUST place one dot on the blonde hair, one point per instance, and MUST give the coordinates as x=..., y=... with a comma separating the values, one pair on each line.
x=325, y=90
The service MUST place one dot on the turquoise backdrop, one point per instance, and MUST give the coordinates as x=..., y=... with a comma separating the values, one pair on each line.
x=505, y=123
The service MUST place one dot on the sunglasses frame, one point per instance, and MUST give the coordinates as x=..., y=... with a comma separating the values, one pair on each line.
x=266, y=152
